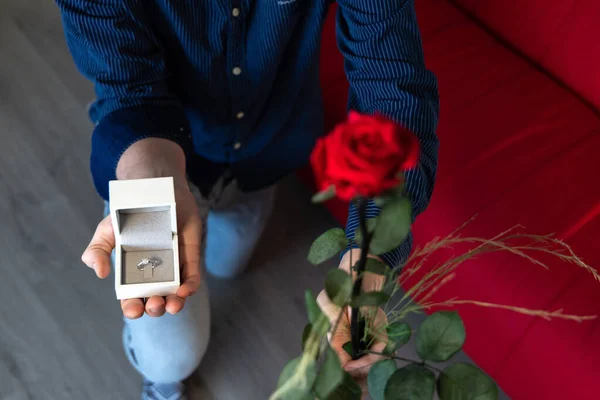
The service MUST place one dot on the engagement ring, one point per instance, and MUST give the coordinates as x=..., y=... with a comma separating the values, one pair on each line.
x=154, y=262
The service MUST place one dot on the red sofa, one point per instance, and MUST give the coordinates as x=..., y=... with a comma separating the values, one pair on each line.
x=520, y=144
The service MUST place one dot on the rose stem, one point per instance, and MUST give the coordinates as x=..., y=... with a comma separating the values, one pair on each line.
x=357, y=325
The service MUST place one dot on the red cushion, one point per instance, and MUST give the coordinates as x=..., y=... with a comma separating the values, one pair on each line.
x=560, y=35
x=516, y=148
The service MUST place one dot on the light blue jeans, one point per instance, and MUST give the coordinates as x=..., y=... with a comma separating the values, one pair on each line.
x=169, y=348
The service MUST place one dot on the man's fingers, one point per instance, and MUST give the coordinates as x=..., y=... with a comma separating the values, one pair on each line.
x=189, y=286
x=331, y=310
x=342, y=334
x=97, y=254
x=174, y=304
x=360, y=368
x=155, y=306
x=191, y=274
x=371, y=282
x=338, y=340
x=132, y=308
x=377, y=320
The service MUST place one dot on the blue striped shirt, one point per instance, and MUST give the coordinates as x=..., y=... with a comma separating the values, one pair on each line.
x=236, y=82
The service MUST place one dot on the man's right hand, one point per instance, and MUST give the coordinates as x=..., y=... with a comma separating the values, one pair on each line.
x=150, y=158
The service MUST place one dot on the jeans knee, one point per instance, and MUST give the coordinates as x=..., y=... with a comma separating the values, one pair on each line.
x=169, y=348
x=233, y=230
x=230, y=243
x=170, y=363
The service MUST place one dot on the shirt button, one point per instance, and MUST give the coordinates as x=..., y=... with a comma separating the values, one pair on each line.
x=236, y=71
x=237, y=146
x=235, y=12
x=240, y=115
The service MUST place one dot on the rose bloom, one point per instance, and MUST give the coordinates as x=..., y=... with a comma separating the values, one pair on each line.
x=364, y=156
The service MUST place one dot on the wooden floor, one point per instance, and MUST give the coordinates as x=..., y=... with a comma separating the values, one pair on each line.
x=59, y=325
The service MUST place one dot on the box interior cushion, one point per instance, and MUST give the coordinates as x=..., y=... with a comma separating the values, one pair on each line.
x=144, y=229
x=163, y=272
x=146, y=233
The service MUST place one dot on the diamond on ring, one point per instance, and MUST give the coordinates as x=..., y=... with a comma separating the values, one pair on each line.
x=148, y=261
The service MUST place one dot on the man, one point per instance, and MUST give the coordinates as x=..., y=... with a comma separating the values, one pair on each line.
x=224, y=96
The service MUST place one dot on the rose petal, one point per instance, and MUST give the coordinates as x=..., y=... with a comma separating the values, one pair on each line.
x=345, y=191
x=364, y=155
x=411, y=150
x=354, y=116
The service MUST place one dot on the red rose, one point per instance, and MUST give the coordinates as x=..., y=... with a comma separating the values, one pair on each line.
x=363, y=156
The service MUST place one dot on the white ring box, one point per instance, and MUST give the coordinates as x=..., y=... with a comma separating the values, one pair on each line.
x=144, y=220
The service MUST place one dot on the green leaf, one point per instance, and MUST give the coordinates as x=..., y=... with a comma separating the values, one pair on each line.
x=331, y=375
x=380, y=201
x=338, y=286
x=311, y=306
x=324, y=195
x=466, y=382
x=370, y=299
x=348, y=390
x=400, y=175
x=358, y=237
x=390, y=195
x=413, y=382
x=390, y=347
x=348, y=348
x=398, y=335
x=300, y=392
x=399, y=331
x=392, y=226
x=440, y=336
x=378, y=376
x=314, y=312
x=376, y=267
x=305, y=334
x=327, y=245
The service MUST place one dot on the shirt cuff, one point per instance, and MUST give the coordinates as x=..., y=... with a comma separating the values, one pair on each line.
x=120, y=129
x=395, y=258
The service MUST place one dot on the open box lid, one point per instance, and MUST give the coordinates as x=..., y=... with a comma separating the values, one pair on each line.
x=138, y=193
x=142, y=194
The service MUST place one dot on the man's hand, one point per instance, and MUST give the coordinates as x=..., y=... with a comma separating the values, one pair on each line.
x=149, y=158
x=358, y=369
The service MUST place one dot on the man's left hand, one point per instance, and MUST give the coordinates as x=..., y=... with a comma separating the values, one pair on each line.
x=359, y=368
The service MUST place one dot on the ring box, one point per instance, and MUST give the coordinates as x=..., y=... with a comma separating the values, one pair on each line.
x=144, y=220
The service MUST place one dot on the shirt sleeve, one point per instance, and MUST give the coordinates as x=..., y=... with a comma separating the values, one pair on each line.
x=113, y=46
x=384, y=63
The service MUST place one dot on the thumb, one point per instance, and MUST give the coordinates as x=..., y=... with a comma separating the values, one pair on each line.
x=342, y=333
x=97, y=254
